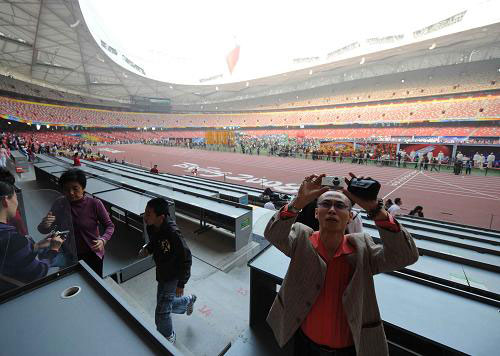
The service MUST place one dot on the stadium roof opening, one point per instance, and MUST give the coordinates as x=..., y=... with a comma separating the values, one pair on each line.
x=215, y=42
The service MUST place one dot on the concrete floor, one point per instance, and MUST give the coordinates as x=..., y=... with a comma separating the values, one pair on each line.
x=219, y=278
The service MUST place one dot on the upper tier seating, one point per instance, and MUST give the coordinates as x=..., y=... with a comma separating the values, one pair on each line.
x=473, y=108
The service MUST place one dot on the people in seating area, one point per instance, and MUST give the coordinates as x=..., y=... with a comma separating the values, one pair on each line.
x=269, y=205
x=4, y=154
x=418, y=211
x=173, y=262
x=155, y=169
x=327, y=300
x=19, y=259
x=17, y=220
x=395, y=209
x=76, y=160
x=87, y=213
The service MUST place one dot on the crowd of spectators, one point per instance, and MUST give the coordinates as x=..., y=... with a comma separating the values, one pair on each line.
x=473, y=108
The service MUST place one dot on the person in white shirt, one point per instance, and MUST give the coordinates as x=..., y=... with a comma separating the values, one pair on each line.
x=355, y=225
x=490, y=160
x=269, y=205
x=459, y=156
x=429, y=156
x=420, y=161
x=412, y=155
x=440, y=158
x=395, y=208
x=476, y=159
x=3, y=157
x=481, y=161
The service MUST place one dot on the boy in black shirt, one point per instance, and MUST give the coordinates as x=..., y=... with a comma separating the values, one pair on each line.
x=173, y=265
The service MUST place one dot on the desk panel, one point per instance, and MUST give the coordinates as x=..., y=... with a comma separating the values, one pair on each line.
x=454, y=321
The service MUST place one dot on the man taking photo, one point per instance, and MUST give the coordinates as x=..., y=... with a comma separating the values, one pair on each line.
x=327, y=301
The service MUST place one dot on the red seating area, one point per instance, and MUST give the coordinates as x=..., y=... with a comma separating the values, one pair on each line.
x=464, y=108
x=487, y=132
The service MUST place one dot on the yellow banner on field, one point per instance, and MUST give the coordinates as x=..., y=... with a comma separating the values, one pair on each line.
x=225, y=137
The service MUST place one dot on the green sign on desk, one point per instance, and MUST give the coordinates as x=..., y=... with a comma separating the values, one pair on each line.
x=245, y=223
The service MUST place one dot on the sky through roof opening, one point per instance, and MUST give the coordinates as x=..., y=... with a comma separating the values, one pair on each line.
x=216, y=42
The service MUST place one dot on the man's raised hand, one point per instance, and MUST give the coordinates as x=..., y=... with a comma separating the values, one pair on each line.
x=309, y=190
x=365, y=204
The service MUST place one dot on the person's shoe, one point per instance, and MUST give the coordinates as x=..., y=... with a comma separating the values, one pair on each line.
x=190, y=305
x=172, y=337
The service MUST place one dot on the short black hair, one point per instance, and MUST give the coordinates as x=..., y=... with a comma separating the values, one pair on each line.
x=73, y=175
x=397, y=200
x=159, y=206
x=6, y=189
x=6, y=176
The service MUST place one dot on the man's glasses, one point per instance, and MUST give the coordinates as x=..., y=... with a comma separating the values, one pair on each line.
x=338, y=205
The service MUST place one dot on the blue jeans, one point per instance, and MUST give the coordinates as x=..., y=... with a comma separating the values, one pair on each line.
x=166, y=303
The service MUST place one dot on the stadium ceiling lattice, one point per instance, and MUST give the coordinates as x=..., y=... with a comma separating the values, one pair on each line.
x=48, y=41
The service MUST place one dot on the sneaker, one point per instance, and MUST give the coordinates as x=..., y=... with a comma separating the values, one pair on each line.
x=172, y=337
x=190, y=305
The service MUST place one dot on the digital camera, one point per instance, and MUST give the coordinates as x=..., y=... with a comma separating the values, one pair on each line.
x=366, y=188
x=62, y=234
x=336, y=183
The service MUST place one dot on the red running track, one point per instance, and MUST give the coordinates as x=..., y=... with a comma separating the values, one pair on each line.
x=472, y=200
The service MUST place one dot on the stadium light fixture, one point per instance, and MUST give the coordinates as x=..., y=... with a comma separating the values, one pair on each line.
x=432, y=46
x=362, y=61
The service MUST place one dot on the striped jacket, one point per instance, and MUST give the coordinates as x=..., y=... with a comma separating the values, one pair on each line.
x=306, y=275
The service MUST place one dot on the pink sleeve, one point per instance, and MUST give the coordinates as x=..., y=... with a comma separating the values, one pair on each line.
x=105, y=220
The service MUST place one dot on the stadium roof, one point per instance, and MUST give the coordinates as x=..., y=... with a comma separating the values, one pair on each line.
x=48, y=42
